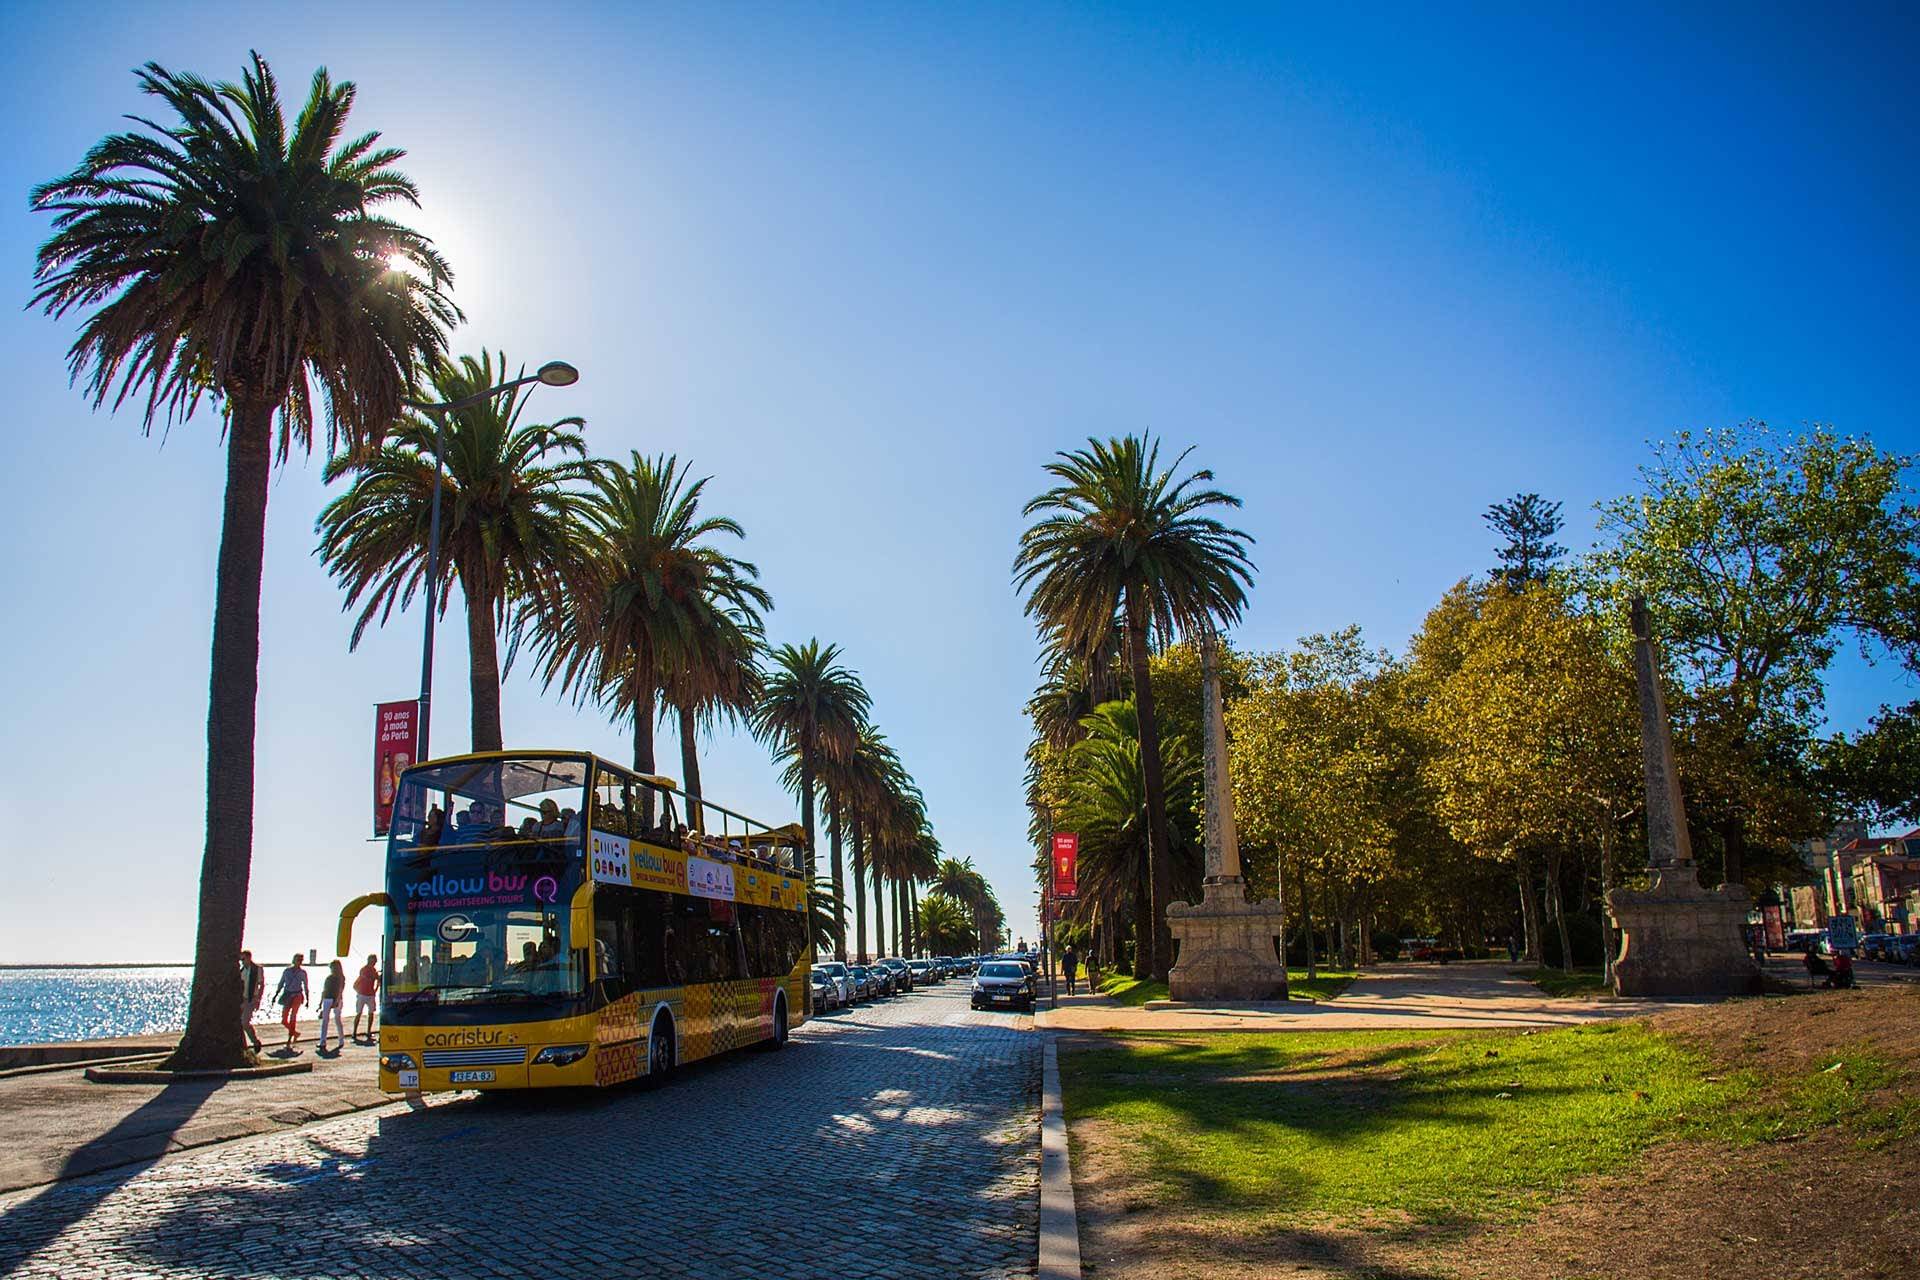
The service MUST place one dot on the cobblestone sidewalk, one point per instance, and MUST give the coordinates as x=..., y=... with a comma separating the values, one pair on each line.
x=895, y=1140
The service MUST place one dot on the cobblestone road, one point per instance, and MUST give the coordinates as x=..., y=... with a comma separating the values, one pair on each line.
x=896, y=1140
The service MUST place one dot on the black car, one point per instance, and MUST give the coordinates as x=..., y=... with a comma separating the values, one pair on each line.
x=1003, y=984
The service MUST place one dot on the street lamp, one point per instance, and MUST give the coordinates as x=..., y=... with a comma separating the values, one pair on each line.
x=554, y=373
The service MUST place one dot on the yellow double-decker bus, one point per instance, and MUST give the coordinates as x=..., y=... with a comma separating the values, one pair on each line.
x=553, y=919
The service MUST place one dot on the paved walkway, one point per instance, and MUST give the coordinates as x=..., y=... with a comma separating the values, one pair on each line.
x=60, y=1124
x=1390, y=997
x=899, y=1139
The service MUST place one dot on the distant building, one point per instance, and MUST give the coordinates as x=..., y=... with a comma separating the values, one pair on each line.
x=1824, y=889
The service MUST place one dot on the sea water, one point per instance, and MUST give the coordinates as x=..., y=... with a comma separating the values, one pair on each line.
x=38, y=1005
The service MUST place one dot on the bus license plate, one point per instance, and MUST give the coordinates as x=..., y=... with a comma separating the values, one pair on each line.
x=470, y=1077
x=409, y=1079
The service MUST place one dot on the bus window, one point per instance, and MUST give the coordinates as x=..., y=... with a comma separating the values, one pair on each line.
x=613, y=806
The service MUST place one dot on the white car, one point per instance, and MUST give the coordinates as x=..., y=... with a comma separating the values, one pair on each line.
x=841, y=977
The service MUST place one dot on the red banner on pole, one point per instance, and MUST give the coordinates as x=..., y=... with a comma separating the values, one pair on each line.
x=1066, y=864
x=396, y=730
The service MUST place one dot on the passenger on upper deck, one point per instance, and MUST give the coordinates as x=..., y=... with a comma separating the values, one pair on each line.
x=551, y=827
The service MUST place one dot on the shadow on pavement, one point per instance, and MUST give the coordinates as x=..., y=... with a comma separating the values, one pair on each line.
x=134, y=1142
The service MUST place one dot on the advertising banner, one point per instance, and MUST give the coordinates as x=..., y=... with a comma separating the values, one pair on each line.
x=708, y=879
x=1066, y=864
x=610, y=863
x=396, y=729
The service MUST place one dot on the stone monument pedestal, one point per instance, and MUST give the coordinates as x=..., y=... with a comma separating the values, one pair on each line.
x=1227, y=949
x=1679, y=939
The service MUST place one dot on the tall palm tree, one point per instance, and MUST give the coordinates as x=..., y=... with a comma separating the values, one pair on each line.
x=221, y=254
x=511, y=505
x=811, y=709
x=647, y=597
x=720, y=681
x=865, y=780
x=1120, y=534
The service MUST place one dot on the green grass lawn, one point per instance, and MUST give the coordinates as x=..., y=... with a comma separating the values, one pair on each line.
x=1439, y=1125
x=1129, y=990
x=1558, y=982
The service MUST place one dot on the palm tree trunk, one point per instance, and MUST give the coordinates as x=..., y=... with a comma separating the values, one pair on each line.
x=859, y=881
x=913, y=917
x=839, y=882
x=879, y=911
x=806, y=805
x=213, y=1037
x=690, y=766
x=1143, y=915
x=1159, y=942
x=483, y=662
x=642, y=692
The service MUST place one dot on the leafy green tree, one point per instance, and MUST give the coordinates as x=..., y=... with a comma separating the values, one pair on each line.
x=1758, y=556
x=811, y=709
x=509, y=518
x=1120, y=535
x=647, y=597
x=1876, y=773
x=216, y=253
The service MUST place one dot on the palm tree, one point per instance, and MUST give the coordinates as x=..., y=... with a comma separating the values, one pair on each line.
x=511, y=505
x=221, y=254
x=864, y=780
x=958, y=880
x=811, y=710
x=946, y=924
x=1120, y=534
x=648, y=596
x=720, y=682
x=1105, y=802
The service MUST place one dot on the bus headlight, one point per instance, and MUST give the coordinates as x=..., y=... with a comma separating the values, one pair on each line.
x=396, y=1062
x=560, y=1055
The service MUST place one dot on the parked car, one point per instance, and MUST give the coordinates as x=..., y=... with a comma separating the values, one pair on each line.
x=1905, y=949
x=826, y=993
x=903, y=976
x=922, y=972
x=965, y=965
x=865, y=985
x=1805, y=940
x=1872, y=946
x=842, y=978
x=1003, y=984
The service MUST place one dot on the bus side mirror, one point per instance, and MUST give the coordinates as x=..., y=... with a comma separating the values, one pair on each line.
x=580, y=917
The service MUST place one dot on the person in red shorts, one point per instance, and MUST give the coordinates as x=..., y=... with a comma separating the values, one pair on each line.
x=291, y=994
x=364, y=1000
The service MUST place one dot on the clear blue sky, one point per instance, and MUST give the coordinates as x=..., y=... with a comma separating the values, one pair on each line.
x=869, y=267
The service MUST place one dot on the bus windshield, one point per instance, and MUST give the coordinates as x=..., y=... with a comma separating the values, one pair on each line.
x=516, y=800
x=479, y=925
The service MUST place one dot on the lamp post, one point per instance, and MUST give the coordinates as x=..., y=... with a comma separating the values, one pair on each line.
x=554, y=373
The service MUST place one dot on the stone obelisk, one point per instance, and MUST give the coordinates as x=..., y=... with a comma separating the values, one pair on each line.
x=1228, y=945
x=1677, y=938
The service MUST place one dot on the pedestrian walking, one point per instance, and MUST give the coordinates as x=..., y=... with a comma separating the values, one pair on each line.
x=365, y=985
x=1513, y=949
x=1070, y=961
x=253, y=988
x=290, y=995
x=333, y=994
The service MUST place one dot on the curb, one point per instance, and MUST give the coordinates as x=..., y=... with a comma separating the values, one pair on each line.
x=1059, y=1218
x=148, y=1075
